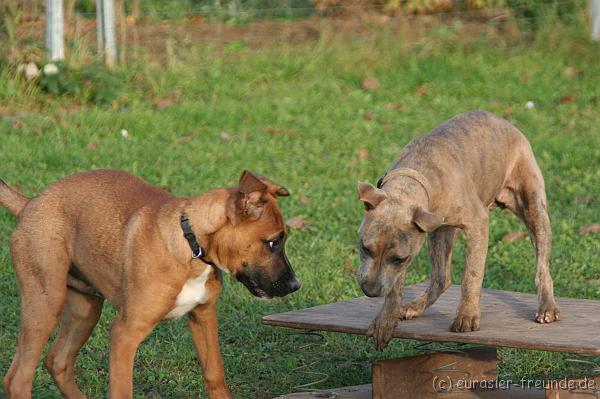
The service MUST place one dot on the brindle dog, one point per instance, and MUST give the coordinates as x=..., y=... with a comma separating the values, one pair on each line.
x=108, y=234
x=445, y=181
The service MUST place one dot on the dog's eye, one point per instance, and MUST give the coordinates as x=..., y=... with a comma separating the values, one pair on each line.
x=399, y=260
x=273, y=244
x=365, y=251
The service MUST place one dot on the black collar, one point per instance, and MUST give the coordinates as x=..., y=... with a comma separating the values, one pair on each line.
x=197, y=251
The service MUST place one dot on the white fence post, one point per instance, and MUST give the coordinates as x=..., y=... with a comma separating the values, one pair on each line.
x=595, y=14
x=105, y=27
x=99, y=27
x=110, y=45
x=55, y=30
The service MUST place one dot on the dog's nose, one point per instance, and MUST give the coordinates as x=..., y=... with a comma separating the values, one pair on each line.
x=295, y=285
x=370, y=290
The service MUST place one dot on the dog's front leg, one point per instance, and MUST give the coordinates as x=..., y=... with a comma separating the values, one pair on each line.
x=468, y=313
x=441, y=242
x=204, y=329
x=383, y=326
x=126, y=334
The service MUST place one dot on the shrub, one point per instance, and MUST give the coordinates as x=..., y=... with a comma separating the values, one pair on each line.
x=93, y=83
x=56, y=78
x=100, y=85
x=528, y=10
x=411, y=6
x=531, y=12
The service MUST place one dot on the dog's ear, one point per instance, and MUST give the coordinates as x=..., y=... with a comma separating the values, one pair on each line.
x=427, y=221
x=282, y=192
x=370, y=195
x=272, y=187
x=251, y=202
x=250, y=183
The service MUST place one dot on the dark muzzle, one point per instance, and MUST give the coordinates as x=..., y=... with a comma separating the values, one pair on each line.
x=261, y=286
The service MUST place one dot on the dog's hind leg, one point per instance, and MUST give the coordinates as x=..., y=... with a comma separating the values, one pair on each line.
x=79, y=318
x=441, y=242
x=538, y=223
x=529, y=203
x=42, y=275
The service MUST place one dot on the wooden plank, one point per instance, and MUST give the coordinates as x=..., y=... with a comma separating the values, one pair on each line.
x=506, y=320
x=364, y=392
x=434, y=375
x=355, y=392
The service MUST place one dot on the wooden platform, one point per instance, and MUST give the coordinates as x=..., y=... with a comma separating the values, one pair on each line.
x=506, y=320
x=365, y=392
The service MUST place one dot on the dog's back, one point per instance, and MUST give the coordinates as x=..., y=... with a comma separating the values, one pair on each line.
x=94, y=189
x=87, y=214
x=476, y=145
x=465, y=136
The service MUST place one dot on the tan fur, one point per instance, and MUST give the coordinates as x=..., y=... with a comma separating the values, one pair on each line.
x=440, y=183
x=124, y=238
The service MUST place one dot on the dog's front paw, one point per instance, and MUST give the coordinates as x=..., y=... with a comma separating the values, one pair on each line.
x=381, y=330
x=466, y=322
x=410, y=312
x=218, y=391
x=547, y=313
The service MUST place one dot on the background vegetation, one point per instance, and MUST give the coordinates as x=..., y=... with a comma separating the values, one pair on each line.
x=304, y=115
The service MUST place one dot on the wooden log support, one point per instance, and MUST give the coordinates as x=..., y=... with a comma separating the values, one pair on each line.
x=467, y=374
x=435, y=375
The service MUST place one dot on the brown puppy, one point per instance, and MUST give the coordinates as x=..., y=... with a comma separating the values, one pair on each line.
x=108, y=234
x=443, y=182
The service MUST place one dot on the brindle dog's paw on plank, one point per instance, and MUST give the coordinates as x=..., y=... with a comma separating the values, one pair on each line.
x=445, y=181
x=108, y=234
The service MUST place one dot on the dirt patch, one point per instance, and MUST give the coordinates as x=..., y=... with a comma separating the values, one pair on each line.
x=164, y=40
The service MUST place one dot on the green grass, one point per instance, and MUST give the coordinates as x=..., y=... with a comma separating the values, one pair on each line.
x=314, y=92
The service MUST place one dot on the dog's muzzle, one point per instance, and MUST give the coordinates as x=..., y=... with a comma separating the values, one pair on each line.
x=285, y=286
x=370, y=289
x=263, y=287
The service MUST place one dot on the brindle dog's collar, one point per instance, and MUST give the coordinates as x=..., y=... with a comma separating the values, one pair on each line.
x=413, y=174
x=197, y=251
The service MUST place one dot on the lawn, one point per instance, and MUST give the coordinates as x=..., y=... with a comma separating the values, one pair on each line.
x=301, y=116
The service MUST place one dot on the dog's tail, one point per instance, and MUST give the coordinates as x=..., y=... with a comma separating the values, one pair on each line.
x=11, y=199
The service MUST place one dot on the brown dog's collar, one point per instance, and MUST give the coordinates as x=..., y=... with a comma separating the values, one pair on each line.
x=413, y=174
x=197, y=251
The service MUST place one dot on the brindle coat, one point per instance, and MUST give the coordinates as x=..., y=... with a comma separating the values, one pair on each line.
x=445, y=181
x=124, y=238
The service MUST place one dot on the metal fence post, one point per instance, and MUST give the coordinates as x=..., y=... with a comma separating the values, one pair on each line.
x=108, y=18
x=99, y=27
x=105, y=27
x=55, y=30
x=595, y=15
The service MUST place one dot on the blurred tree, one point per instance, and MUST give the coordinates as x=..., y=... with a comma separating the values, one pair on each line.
x=10, y=17
x=69, y=10
x=530, y=13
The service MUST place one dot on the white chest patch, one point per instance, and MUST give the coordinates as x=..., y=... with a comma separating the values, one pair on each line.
x=192, y=294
